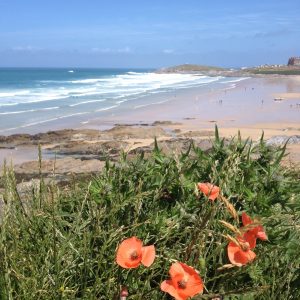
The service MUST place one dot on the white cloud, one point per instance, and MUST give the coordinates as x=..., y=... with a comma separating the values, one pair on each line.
x=26, y=49
x=110, y=50
x=101, y=50
x=168, y=51
x=124, y=50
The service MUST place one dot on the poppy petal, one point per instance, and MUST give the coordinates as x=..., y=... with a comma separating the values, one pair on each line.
x=167, y=286
x=208, y=189
x=176, y=269
x=125, y=250
x=232, y=249
x=214, y=193
x=237, y=256
x=246, y=219
x=261, y=234
x=185, y=282
x=194, y=285
x=250, y=238
x=203, y=188
x=148, y=255
x=244, y=257
x=251, y=255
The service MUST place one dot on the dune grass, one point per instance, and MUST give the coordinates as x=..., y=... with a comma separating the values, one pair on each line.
x=60, y=243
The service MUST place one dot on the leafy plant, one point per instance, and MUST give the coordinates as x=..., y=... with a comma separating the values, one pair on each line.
x=60, y=243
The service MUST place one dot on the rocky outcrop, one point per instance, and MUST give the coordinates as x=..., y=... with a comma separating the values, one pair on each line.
x=67, y=152
x=280, y=140
x=83, y=152
x=65, y=165
x=202, y=70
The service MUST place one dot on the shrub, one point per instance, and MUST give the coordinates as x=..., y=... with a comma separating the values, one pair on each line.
x=60, y=243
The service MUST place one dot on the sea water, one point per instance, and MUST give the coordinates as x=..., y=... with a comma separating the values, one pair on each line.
x=30, y=98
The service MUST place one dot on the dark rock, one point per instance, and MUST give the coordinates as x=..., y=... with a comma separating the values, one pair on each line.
x=66, y=165
x=162, y=123
x=279, y=140
x=202, y=133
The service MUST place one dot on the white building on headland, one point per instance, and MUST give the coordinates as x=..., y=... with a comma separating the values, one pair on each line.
x=294, y=61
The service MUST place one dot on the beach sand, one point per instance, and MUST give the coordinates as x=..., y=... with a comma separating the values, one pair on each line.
x=247, y=106
x=249, y=102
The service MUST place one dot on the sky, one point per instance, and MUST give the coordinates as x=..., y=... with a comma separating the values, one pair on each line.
x=147, y=34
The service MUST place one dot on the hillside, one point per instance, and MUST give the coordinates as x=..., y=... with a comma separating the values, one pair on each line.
x=190, y=68
x=277, y=70
x=218, y=71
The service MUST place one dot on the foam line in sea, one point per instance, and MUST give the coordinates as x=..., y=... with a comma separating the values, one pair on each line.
x=29, y=97
x=28, y=111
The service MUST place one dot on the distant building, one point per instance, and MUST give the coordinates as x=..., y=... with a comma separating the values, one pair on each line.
x=294, y=61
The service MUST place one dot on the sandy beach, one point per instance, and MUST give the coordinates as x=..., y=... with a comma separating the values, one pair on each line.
x=248, y=106
x=247, y=103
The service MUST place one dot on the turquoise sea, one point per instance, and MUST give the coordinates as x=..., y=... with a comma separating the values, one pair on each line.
x=30, y=98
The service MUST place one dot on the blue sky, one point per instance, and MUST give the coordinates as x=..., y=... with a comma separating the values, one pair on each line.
x=156, y=33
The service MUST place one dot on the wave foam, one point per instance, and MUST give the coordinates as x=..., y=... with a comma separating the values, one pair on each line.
x=14, y=93
x=149, y=104
x=27, y=111
x=86, y=102
x=107, y=108
x=43, y=121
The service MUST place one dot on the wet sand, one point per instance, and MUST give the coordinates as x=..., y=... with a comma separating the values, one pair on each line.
x=247, y=102
x=248, y=106
x=251, y=102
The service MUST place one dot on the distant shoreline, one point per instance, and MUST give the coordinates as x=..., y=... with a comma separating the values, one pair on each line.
x=248, y=106
x=50, y=99
x=265, y=70
x=38, y=101
x=245, y=102
x=222, y=105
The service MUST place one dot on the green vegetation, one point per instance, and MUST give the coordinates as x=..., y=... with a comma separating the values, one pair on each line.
x=192, y=68
x=276, y=71
x=212, y=71
x=60, y=243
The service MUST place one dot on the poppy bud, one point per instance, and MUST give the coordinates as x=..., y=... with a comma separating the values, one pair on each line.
x=123, y=293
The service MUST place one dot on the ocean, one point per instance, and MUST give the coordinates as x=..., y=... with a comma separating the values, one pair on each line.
x=30, y=98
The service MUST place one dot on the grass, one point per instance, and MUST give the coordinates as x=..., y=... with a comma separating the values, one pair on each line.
x=193, y=68
x=275, y=71
x=60, y=243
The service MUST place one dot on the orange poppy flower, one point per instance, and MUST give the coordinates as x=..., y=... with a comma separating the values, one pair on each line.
x=131, y=254
x=184, y=283
x=240, y=254
x=209, y=190
x=258, y=231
